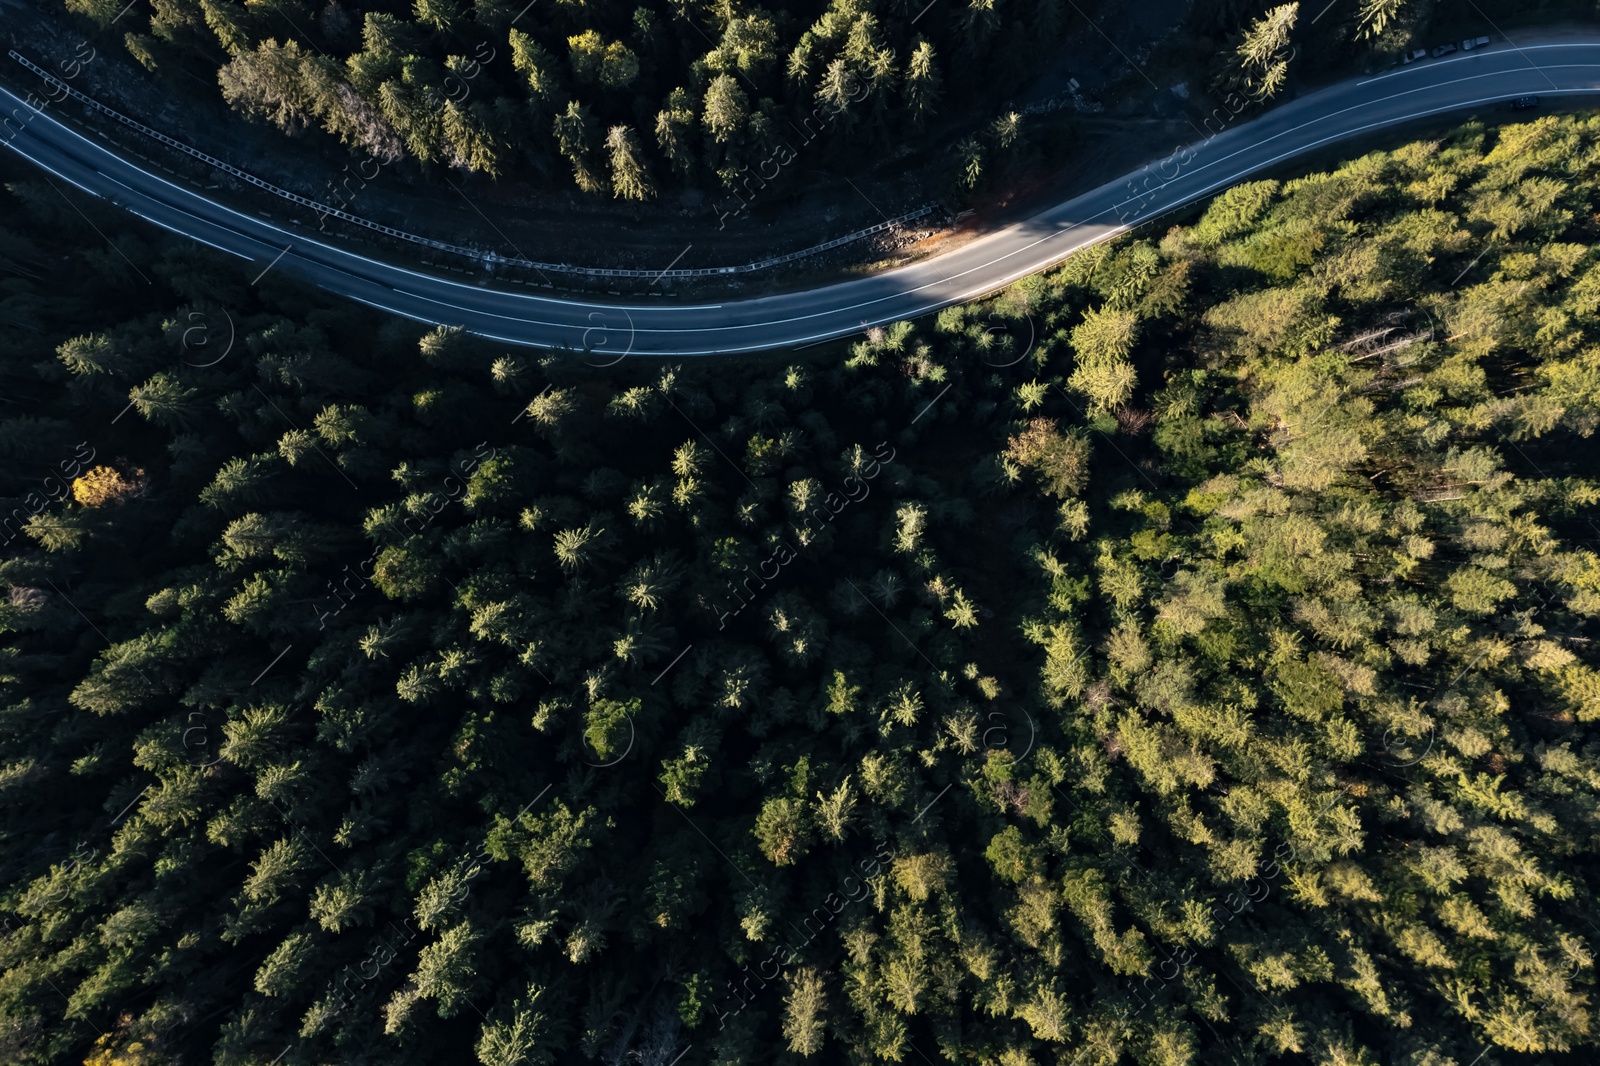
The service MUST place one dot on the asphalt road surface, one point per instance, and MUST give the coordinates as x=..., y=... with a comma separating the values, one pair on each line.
x=1225, y=150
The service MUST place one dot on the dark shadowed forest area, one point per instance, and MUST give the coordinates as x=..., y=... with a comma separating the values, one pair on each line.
x=629, y=100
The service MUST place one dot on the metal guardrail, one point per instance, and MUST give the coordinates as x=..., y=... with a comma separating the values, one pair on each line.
x=471, y=253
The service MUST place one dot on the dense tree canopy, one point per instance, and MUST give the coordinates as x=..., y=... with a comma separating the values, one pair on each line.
x=704, y=91
x=1185, y=657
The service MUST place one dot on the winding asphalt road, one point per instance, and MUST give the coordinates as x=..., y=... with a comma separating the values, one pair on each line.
x=1225, y=150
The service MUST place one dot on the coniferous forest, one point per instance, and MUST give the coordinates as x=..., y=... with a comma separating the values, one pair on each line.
x=631, y=99
x=610, y=97
x=1185, y=656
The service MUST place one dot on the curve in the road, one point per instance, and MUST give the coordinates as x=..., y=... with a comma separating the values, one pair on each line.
x=1234, y=151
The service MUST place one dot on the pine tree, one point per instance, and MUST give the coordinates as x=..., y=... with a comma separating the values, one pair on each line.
x=164, y=399
x=673, y=126
x=575, y=136
x=539, y=67
x=969, y=155
x=805, y=1011
x=725, y=108
x=923, y=84
x=1260, y=66
x=629, y=179
x=1375, y=17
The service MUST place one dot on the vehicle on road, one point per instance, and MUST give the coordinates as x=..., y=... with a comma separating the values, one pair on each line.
x=1443, y=50
x=1416, y=54
x=1474, y=42
x=1524, y=103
